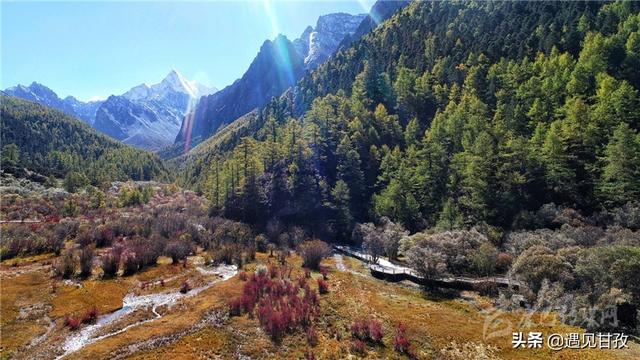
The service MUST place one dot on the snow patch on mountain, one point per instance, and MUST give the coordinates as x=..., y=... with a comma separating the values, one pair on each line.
x=146, y=116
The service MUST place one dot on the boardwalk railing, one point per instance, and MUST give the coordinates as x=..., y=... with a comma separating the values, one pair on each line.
x=397, y=273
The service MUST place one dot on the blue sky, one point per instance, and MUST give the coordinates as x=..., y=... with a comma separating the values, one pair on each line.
x=95, y=49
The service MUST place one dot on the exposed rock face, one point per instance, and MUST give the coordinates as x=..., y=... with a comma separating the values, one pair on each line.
x=317, y=45
x=276, y=67
x=279, y=65
x=381, y=11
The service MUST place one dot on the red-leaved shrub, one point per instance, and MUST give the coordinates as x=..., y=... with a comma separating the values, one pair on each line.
x=90, y=316
x=324, y=272
x=358, y=346
x=323, y=286
x=367, y=330
x=400, y=342
x=243, y=276
x=72, y=323
x=279, y=305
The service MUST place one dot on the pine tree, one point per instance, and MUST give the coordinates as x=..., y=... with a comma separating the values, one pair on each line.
x=620, y=182
x=560, y=178
x=341, y=200
x=349, y=170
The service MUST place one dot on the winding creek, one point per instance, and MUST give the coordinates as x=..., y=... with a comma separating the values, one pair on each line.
x=131, y=303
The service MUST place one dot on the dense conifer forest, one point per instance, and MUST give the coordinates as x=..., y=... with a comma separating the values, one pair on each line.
x=50, y=143
x=449, y=115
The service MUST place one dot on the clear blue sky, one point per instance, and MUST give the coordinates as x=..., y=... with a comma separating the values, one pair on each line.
x=94, y=49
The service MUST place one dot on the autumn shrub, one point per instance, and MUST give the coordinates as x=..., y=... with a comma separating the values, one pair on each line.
x=227, y=254
x=369, y=330
x=243, y=276
x=235, y=306
x=503, y=262
x=104, y=236
x=232, y=232
x=628, y=215
x=456, y=252
x=312, y=253
x=110, y=263
x=261, y=243
x=72, y=323
x=275, y=319
x=401, y=343
x=169, y=223
x=85, y=236
x=308, y=355
x=279, y=305
x=147, y=249
x=90, y=316
x=65, y=265
x=323, y=286
x=519, y=241
x=273, y=271
x=538, y=263
x=66, y=229
x=358, y=346
x=18, y=239
x=86, y=261
x=56, y=244
x=185, y=287
x=312, y=336
x=177, y=250
x=130, y=262
x=324, y=272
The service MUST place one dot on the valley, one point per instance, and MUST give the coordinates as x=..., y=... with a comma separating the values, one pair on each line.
x=144, y=315
x=425, y=180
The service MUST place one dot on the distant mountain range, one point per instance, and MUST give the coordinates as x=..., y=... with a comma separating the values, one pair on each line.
x=184, y=112
x=280, y=63
x=147, y=117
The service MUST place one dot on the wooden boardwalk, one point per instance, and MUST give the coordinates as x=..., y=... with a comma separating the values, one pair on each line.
x=394, y=273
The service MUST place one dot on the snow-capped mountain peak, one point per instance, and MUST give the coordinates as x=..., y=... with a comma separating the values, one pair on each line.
x=174, y=82
x=178, y=83
x=137, y=92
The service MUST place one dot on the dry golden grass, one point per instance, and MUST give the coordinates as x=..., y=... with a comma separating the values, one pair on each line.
x=21, y=292
x=433, y=322
x=432, y=325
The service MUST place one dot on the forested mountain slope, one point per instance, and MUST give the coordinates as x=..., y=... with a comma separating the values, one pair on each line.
x=50, y=142
x=450, y=114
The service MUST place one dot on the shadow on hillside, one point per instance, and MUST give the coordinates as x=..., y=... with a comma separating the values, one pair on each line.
x=439, y=294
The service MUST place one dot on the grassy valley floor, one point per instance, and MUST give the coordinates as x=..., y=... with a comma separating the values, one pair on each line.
x=195, y=327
